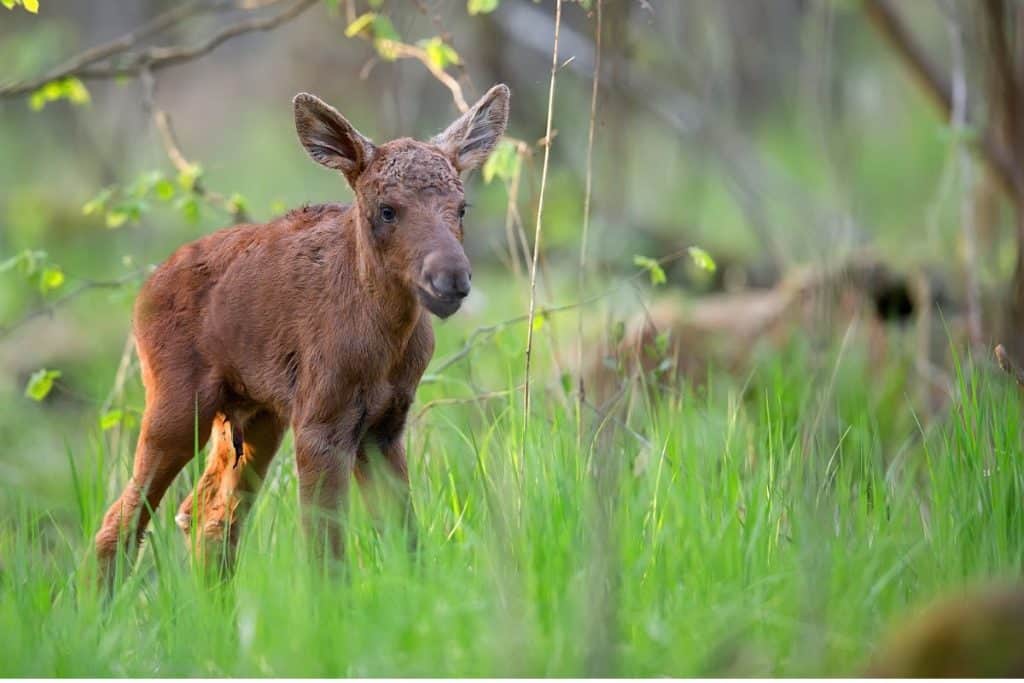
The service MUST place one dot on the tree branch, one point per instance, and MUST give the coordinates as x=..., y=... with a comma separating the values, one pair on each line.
x=938, y=89
x=152, y=58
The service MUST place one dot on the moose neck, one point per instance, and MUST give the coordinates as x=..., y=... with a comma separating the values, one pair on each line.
x=393, y=304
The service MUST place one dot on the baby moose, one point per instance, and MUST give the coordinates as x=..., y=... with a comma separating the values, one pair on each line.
x=317, y=320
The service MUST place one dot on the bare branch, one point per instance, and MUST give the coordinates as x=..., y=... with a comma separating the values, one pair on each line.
x=937, y=87
x=86, y=286
x=162, y=121
x=153, y=58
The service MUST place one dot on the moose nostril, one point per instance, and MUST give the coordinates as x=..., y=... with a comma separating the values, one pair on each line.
x=450, y=283
x=460, y=282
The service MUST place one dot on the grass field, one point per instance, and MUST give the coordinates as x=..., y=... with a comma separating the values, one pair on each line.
x=769, y=524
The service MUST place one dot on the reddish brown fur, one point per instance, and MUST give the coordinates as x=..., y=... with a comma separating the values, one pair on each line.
x=316, y=320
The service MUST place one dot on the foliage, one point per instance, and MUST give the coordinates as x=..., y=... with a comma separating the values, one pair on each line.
x=702, y=259
x=35, y=266
x=28, y=5
x=481, y=6
x=652, y=266
x=504, y=162
x=71, y=89
x=40, y=383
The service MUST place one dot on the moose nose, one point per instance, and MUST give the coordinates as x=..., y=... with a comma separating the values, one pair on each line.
x=453, y=284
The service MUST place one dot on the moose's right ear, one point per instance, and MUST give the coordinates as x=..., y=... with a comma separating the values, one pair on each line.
x=329, y=138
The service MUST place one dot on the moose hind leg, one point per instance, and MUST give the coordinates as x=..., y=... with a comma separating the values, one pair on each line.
x=166, y=444
x=225, y=492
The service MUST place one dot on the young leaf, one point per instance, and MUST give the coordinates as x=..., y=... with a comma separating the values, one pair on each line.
x=98, y=203
x=111, y=419
x=503, y=163
x=481, y=6
x=116, y=218
x=164, y=190
x=361, y=23
x=654, y=268
x=188, y=176
x=31, y=6
x=51, y=278
x=189, y=207
x=440, y=53
x=386, y=38
x=40, y=383
x=237, y=203
x=702, y=259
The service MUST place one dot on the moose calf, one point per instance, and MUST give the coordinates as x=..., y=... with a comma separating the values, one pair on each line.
x=316, y=320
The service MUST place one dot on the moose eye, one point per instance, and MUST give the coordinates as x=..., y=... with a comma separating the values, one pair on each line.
x=462, y=212
x=388, y=213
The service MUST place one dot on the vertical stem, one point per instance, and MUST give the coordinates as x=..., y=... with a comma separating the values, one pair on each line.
x=537, y=229
x=581, y=396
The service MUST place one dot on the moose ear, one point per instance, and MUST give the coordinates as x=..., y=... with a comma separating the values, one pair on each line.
x=329, y=138
x=473, y=136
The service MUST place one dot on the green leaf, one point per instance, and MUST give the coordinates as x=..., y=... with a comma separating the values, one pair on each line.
x=386, y=38
x=51, y=278
x=440, y=53
x=98, y=203
x=237, y=203
x=188, y=176
x=702, y=259
x=538, y=322
x=40, y=383
x=383, y=28
x=503, y=163
x=481, y=6
x=111, y=419
x=9, y=4
x=31, y=6
x=189, y=207
x=361, y=23
x=69, y=88
x=116, y=218
x=654, y=268
x=164, y=190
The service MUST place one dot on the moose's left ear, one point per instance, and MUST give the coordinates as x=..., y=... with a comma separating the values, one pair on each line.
x=473, y=136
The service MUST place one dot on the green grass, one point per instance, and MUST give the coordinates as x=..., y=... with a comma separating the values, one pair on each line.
x=773, y=524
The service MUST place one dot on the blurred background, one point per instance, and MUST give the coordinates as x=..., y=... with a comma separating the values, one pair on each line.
x=770, y=134
x=764, y=174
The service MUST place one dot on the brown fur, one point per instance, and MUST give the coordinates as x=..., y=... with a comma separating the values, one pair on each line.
x=317, y=320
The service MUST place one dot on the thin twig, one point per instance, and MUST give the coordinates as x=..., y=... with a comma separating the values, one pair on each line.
x=476, y=398
x=537, y=230
x=86, y=286
x=581, y=283
x=488, y=330
x=152, y=58
x=162, y=121
x=404, y=50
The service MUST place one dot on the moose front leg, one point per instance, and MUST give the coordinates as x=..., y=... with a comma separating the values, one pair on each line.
x=387, y=435
x=325, y=456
